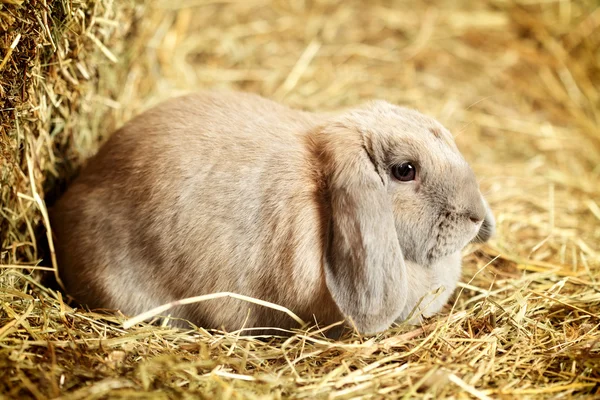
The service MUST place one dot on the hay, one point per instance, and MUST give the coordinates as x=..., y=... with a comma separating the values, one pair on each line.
x=516, y=81
x=54, y=110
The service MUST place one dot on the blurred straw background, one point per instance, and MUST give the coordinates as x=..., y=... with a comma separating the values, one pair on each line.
x=517, y=81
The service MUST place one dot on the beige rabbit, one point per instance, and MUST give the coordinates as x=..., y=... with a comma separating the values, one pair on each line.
x=359, y=215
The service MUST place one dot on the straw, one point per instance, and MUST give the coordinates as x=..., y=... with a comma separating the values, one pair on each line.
x=516, y=81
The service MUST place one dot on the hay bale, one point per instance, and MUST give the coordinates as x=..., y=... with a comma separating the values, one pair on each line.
x=54, y=108
x=517, y=81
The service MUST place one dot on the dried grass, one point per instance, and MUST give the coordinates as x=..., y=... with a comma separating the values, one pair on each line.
x=516, y=80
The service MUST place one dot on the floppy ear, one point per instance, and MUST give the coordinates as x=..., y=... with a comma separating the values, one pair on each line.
x=364, y=268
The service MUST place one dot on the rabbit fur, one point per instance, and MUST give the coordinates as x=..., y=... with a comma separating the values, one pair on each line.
x=226, y=191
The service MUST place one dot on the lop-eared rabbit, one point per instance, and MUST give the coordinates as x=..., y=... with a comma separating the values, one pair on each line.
x=359, y=215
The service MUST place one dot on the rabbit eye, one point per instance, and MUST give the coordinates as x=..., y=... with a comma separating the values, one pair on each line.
x=404, y=172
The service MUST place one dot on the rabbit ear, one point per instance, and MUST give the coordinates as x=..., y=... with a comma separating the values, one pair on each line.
x=364, y=268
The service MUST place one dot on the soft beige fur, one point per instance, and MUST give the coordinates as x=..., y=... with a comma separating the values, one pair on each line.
x=223, y=191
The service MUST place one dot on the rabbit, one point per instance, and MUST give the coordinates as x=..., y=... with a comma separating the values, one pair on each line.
x=358, y=215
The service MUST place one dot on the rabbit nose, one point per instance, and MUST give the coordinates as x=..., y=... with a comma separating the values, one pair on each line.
x=477, y=211
x=475, y=218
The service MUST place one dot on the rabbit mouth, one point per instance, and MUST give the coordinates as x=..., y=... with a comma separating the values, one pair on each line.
x=452, y=238
x=446, y=238
x=486, y=231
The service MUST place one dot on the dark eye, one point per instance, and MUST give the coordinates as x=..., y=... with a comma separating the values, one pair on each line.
x=404, y=172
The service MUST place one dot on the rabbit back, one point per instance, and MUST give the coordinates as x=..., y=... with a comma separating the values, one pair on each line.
x=206, y=193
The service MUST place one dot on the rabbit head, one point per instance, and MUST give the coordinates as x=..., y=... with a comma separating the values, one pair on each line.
x=404, y=203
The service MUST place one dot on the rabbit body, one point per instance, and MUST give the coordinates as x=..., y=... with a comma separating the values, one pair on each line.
x=223, y=191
